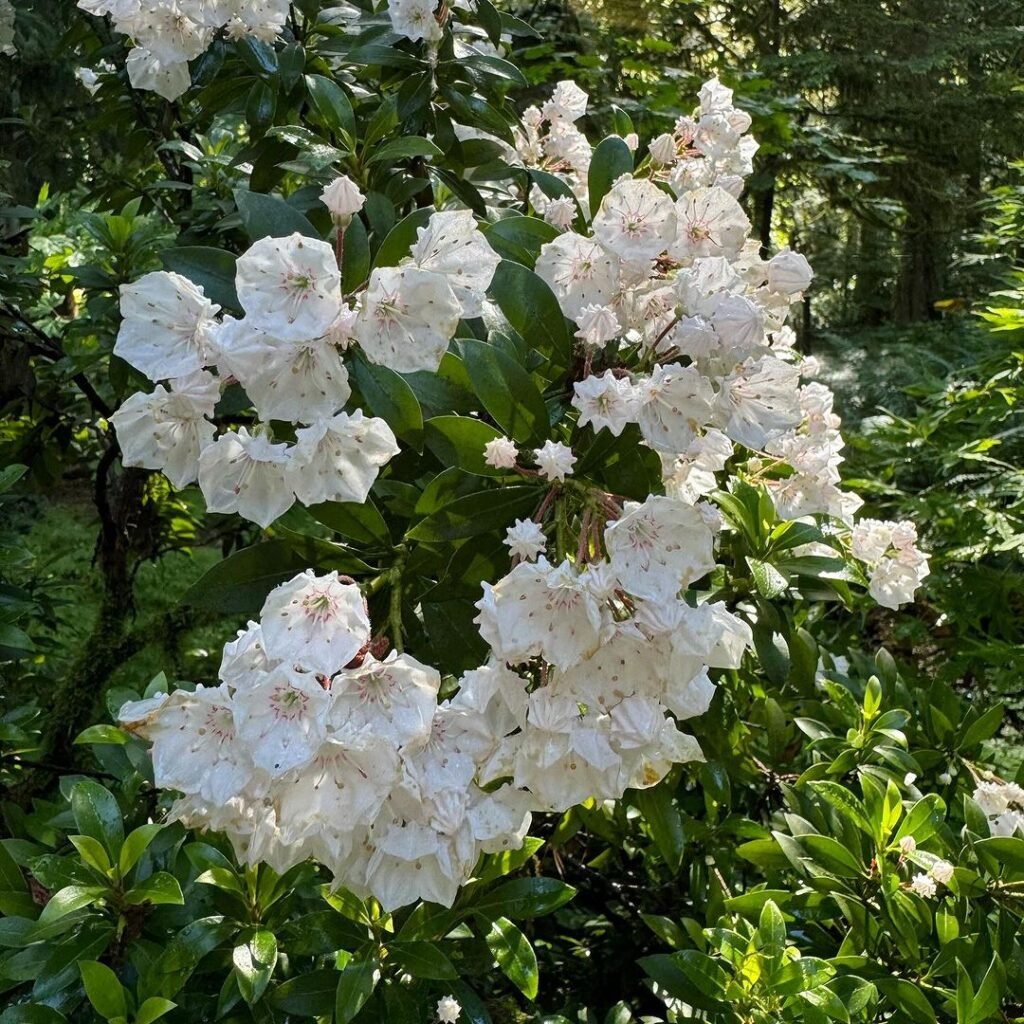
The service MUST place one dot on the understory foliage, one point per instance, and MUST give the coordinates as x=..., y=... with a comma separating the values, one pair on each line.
x=950, y=458
x=544, y=692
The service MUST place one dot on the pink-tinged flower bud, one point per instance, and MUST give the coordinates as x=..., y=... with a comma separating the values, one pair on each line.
x=501, y=453
x=560, y=213
x=663, y=150
x=343, y=198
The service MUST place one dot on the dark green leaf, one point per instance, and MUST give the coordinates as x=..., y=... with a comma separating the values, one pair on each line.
x=264, y=215
x=423, y=959
x=362, y=523
x=307, y=995
x=515, y=956
x=110, y=734
x=388, y=396
x=98, y=815
x=664, y=820
x=159, y=888
x=240, y=583
x=532, y=309
x=523, y=898
x=611, y=160
x=459, y=441
x=103, y=989
x=355, y=986
x=405, y=148
x=212, y=269
x=254, y=962
x=401, y=238
x=477, y=513
x=332, y=104
x=506, y=391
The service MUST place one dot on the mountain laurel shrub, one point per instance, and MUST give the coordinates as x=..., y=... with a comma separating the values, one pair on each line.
x=546, y=707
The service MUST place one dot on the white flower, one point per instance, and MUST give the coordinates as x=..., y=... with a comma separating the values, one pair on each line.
x=415, y=19
x=501, y=453
x=166, y=326
x=407, y=318
x=283, y=720
x=714, y=97
x=452, y=245
x=759, y=402
x=338, y=459
x=565, y=756
x=317, y=622
x=711, y=223
x=167, y=78
x=739, y=323
x=945, y=779
x=395, y=698
x=525, y=540
x=537, y=609
x=789, y=273
x=568, y=103
x=942, y=871
x=343, y=198
x=659, y=547
x=674, y=404
x=579, y=271
x=636, y=221
x=195, y=748
x=244, y=659
x=923, y=885
x=294, y=381
x=245, y=474
x=692, y=475
x=555, y=460
x=560, y=213
x=663, y=150
x=448, y=1010
x=89, y=78
x=289, y=287
x=893, y=583
x=597, y=325
x=348, y=781
x=605, y=401
x=992, y=797
x=167, y=430
x=907, y=845
x=870, y=540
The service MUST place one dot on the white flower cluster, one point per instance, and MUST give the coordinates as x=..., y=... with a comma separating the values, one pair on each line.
x=287, y=353
x=416, y=19
x=548, y=138
x=894, y=561
x=1003, y=804
x=312, y=747
x=670, y=280
x=170, y=33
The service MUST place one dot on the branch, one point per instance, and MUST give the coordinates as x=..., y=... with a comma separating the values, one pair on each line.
x=45, y=346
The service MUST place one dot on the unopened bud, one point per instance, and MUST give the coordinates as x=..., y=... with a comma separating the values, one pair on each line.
x=343, y=198
x=789, y=273
x=663, y=150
